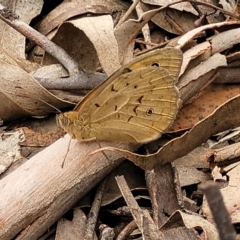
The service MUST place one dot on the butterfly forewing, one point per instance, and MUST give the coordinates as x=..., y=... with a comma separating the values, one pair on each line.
x=136, y=104
x=168, y=58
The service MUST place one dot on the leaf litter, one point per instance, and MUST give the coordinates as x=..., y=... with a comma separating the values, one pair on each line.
x=97, y=41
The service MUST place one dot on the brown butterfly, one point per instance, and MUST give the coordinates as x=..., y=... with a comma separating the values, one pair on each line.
x=135, y=105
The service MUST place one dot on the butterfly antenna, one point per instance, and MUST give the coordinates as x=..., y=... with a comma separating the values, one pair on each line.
x=38, y=98
x=66, y=153
x=50, y=105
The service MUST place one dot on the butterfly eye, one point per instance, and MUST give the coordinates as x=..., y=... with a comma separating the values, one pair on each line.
x=64, y=120
x=149, y=112
x=155, y=64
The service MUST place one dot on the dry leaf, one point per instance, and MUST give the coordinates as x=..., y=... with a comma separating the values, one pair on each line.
x=183, y=40
x=67, y=10
x=227, y=5
x=14, y=59
x=133, y=176
x=183, y=6
x=10, y=149
x=73, y=229
x=195, y=79
x=172, y=20
x=230, y=196
x=37, y=139
x=217, y=175
x=23, y=96
x=193, y=53
x=225, y=40
x=210, y=98
x=127, y=32
x=180, y=218
x=197, y=158
x=11, y=40
x=221, y=119
x=89, y=39
x=50, y=71
x=190, y=175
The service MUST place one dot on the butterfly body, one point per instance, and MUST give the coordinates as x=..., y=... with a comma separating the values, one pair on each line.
x=135, y=105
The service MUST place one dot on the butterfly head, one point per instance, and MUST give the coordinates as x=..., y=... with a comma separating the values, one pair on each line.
x=66, y=121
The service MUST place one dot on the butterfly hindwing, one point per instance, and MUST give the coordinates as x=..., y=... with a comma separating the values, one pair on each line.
x=140, y=111
x=135, y=104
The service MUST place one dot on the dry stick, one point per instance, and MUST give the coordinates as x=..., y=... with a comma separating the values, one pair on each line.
x=39, y=192
x=146, y=43
x=93, y=214
x=228, y=75
x=132, y=7
x=12, y=20
x=191, y=1
x=194, y=2
x=127, y=230
x=219, y=211
x=177, y=2
x=227, y=153
x=174, y=24
x=206, y=4
x=135, y=2
x=47, y=235
x=77, y=80
x=145, y=28
x=153, y=47
x=142, y=217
